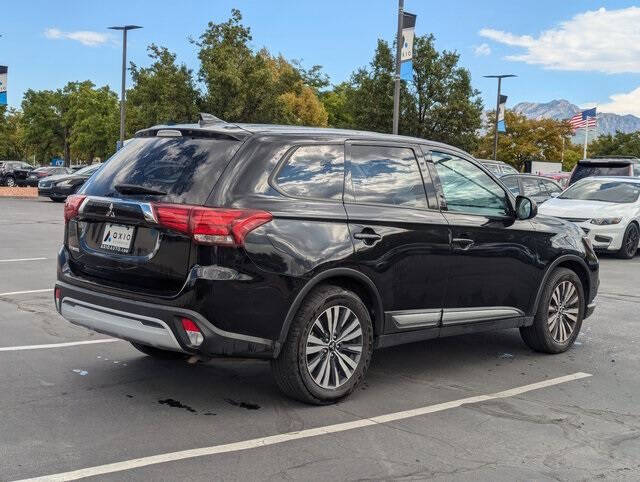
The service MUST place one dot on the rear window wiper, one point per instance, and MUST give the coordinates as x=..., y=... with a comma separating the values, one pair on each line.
x=135, y=189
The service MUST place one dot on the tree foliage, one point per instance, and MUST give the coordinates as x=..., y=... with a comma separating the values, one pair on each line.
x=620, y=144
x=162, y=93
x=525, y=140
x=12, y=141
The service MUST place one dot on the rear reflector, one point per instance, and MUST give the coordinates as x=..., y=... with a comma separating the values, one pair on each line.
x=193, y=332
x=72, y=205
x=212, y=226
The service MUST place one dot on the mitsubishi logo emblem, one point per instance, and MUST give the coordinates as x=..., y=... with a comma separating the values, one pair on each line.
x=110, y=213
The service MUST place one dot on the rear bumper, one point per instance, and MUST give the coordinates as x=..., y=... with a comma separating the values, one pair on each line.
x=152, y=324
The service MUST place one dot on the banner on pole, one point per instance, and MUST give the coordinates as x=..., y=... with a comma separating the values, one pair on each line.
x=406, y=56
x=502, y=127
x=3, y=84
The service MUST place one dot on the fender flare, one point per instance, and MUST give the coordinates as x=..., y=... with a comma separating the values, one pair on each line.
x=553, y=265
x=319, y=278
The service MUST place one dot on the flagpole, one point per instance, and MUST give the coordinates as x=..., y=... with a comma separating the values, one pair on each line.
x=586, y=136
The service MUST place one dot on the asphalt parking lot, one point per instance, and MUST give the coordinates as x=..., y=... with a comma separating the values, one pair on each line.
x=74, y=409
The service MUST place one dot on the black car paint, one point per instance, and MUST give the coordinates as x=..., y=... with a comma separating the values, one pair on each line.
x=57, y=191
x=245, y=298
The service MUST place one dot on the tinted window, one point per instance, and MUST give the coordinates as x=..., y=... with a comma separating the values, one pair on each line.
x=533, y=187
x=551, y=187
x=185, y=168
x=603, y=190
x=512, y=184
x=313, y=172
x=386, y=175
x=467, y=188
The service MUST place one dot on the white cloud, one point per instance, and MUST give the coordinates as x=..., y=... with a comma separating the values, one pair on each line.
x=622, y=103
x=600, y=40
x=85, y=37
x=482, y=50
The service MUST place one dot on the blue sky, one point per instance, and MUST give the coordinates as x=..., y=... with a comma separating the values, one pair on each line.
x=559, y=49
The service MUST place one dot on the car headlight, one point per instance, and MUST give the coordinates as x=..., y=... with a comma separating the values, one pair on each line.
x=64, y=183
x=605, y=221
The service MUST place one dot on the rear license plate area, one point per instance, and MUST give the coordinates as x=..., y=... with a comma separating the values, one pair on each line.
x=117, y=238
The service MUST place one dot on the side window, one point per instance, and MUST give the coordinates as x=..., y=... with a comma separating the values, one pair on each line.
x=533, y=187
x=386, y=175
x=467, y=188
x=313, y=172
x=551, y=187
x=512, y=184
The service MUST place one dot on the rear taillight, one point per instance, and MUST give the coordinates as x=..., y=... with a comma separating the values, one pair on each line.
x=193, y=332
x=212, y=226
x=72, y=206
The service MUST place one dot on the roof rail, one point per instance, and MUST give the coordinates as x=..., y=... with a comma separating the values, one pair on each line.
x=208, y=119
x=613, y=156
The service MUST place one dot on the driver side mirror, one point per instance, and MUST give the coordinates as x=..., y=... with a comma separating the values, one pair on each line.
x=525, y=208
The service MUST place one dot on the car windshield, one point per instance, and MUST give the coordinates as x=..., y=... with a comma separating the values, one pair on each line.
x=603, y=190
x=87, y=171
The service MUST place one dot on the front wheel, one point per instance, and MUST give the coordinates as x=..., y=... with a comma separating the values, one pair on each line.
x=630, y=242
x=560, y=314
x=328, y=347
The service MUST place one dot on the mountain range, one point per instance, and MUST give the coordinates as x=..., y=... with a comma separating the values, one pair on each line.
x=563, y=109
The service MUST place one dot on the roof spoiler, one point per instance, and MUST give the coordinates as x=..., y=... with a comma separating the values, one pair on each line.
x=205, y=119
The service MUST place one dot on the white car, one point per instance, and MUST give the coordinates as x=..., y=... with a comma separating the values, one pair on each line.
x=606, y=208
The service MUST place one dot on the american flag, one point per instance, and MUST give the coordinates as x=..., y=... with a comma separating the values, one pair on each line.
x=586, y=118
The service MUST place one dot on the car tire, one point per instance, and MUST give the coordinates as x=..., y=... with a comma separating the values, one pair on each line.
x=317, y=371
x=159, y=353
x=629, y=242
x=10, y=181
x=558, y=320
x=57, y=199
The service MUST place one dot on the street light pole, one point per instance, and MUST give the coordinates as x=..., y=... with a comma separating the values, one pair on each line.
x=396, y=89
x=495, y=123
x=125, y=29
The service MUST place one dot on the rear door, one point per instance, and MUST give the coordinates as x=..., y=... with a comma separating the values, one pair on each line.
x=493, y=269
x=400, y=237
x=116, y=240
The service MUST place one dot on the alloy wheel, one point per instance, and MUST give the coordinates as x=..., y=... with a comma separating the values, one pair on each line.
x=11, y=182
x=631, y=243
x=334, y=347
x=563, y=311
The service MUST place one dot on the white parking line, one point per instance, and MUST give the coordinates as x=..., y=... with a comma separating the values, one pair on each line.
x=286, y=437
x=11, y=293
x=57, y=345
x=20, y=259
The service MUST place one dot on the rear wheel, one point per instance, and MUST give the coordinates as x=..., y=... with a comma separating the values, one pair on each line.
x=630, y=242
x=10, y=181
x=560, y=314
x=158, y=352
x=328, y=347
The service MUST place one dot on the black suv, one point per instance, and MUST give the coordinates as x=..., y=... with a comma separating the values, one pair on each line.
x=14, y=173
x=311, y=247
x=605, y=166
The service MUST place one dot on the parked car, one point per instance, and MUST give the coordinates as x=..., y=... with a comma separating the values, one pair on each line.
x=561, y=178
x=41, y=172
x=535, y=187
x=600, y=166
x=498, y=168
x=13, y=173
x=58, y=187
x=606, y=208
x=311, y=247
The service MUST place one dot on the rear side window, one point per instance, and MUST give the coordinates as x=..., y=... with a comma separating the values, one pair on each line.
x=386, y=175
x=512, y=184
x=185, y=168
x=533, y=187
x=315, y=172
x=551, y=187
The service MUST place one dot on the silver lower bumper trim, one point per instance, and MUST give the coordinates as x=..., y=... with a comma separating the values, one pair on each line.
x=128, y=326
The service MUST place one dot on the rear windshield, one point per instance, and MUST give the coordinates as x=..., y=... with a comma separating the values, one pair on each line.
x=608, y=169
x=185, y=168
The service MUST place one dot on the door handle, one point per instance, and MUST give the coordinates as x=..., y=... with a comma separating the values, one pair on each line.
x=462, y=243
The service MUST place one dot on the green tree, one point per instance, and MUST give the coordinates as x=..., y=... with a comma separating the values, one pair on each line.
x=620, y=144
x=44, y=129
x=162, y=93
x=247, y=86
x=525, y=139
x=12, y=142
x=442, y=106
x=335, y=103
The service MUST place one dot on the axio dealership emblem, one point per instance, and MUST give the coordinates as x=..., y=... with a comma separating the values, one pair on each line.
x=110, y=213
